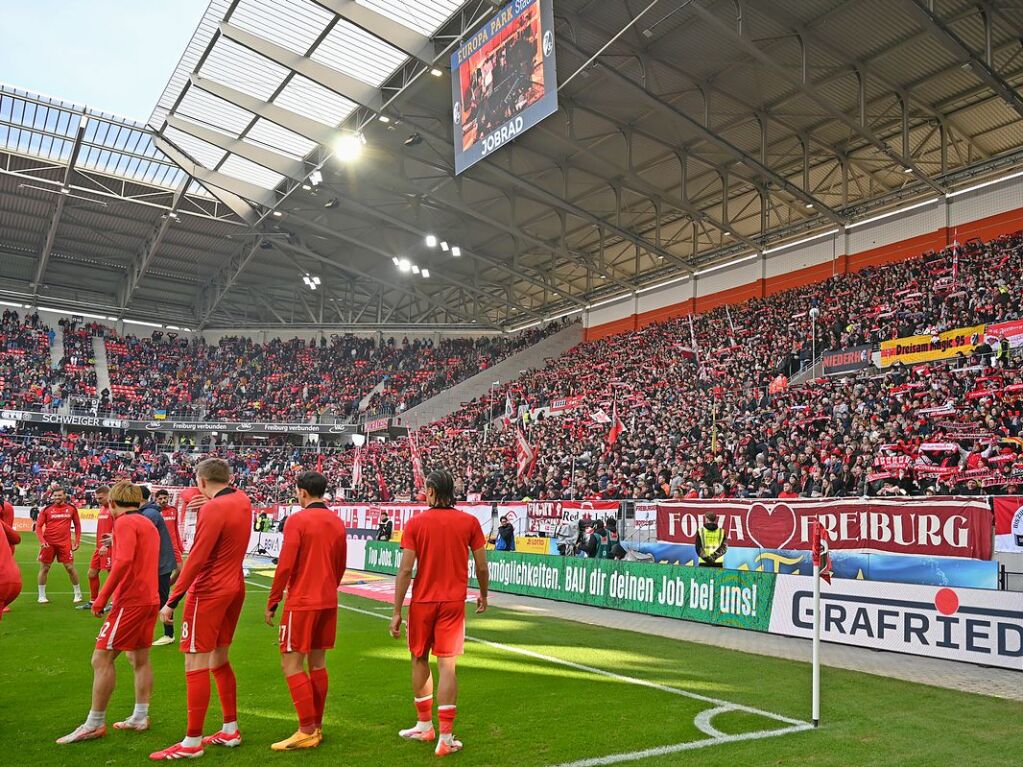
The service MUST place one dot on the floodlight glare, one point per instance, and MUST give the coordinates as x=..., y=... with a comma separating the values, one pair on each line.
x=348, y=146
x=431, y=241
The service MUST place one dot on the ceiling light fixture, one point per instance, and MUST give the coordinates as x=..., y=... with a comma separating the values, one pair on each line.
x=414, y=140
x=331, y=203
x=425, y=273
x=444, y=246
x=316, y=178
x=431, y=241
x=277, y=214
x=348, y=146
x=436, y=72
x=456, y=251
x=404, y=266
x=809, y=206
x=415, y=269
x=384, y=119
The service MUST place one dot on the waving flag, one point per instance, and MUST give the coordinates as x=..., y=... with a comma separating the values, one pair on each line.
x=509, y=409
x=418, y=477
x=357, y=468
x=821, y=553
x=525, y=454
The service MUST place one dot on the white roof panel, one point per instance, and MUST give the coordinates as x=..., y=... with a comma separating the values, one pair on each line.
x=242, y=69
x=280, y=139
x=311, y=100
x=424, y=17
x=205, y=154
x=213, y=111
x=240, y=168
x=292, y=24
x=356, y=52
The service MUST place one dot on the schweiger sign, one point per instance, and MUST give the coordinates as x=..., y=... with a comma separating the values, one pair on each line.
x=723, y=597
x=228, y=427
x=943, y=527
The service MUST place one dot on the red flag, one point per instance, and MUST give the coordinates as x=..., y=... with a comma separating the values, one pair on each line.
x=509, y=408
x=617, y=427
x=357, y=468
x=319, y=463
x=385, y=494
x=418, y=478
x=525, y=454
x=821, y=553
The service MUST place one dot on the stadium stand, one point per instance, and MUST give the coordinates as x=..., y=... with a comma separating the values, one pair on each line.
x=699, y=421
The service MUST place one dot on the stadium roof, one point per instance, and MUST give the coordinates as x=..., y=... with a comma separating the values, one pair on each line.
x=704, y=131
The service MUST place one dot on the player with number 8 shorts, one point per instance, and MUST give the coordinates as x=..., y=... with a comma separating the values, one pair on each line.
x=310, y=568
x=212, y=580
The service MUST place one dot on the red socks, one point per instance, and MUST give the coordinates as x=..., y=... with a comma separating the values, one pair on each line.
x=94, y=588
x=318, y=678
x=424, y=709
x=302, y=696
x=446, y=714
x=197, y=687
x=227, y=689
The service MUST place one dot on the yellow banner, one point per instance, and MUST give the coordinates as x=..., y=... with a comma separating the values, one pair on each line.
x=88, y=514
x=913, y=350
x=529, y=545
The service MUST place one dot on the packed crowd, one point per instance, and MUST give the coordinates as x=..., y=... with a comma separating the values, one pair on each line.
x=703, y=412
x=294, y=380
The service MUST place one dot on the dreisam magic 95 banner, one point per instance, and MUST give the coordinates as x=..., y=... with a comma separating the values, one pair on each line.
x=503, y=79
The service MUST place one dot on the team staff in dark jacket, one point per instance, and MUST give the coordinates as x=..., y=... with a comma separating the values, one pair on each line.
x=505, y=538
x=168, y=563
x=385, y=529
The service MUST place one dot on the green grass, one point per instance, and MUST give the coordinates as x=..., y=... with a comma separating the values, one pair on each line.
x=514, y=709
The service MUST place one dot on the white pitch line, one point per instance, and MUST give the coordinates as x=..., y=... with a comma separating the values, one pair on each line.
x=723, y=705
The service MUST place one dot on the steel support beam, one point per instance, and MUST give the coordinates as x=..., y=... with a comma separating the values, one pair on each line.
x=231, y=191
x=58, y=209
x=147, y=252
x=296, y=123
x=705, y=133
x=955, y=45
x=390, y=31
x=278, y=163
x=353, y=89
x=223, y=281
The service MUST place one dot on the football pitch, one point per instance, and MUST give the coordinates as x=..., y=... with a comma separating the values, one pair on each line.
x=534, y=692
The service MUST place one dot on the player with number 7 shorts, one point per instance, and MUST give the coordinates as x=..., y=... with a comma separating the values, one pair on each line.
x=212, y=585
x=310, y=568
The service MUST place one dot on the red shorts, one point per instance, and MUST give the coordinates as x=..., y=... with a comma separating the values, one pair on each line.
x=57, y=551
x=8, y=593
x=128, y=628
x=439, y=626
x=305, y=630
x=101, y=561
x=209, y=622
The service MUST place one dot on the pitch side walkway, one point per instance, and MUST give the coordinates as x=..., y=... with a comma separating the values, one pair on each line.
x=939, y=673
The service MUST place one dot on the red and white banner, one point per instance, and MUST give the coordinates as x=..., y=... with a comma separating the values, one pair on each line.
x=1009, y=523
x=1012, y=330
x=548, y=516
x=566, y=403
x=525, y=455
x=945, y=527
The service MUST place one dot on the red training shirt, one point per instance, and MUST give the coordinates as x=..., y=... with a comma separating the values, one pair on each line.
x=9, y=572
x=58, y=521
x=7, y=514
x=442, y=540
x=170, y=518
x=214, y=566
x=312, y=560
x=104, y=525
x=134, y=579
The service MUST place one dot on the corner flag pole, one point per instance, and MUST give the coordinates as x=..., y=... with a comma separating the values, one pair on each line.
x=816, y=661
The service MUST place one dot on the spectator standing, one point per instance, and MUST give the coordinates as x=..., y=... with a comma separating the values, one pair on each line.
x=385, y=529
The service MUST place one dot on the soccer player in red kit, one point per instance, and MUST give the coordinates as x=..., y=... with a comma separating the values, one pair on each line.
x=7, y=517
x=134, y=585
x=10, y=575
x=101, y=557
x=54, y=530
x=212, y=580
x=170, y=517
x=310, y=568
x=439, y=540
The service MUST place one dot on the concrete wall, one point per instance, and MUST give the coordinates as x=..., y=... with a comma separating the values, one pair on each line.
x=985, y=213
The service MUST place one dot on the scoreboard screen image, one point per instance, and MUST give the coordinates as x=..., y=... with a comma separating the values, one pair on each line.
x=503, y=79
